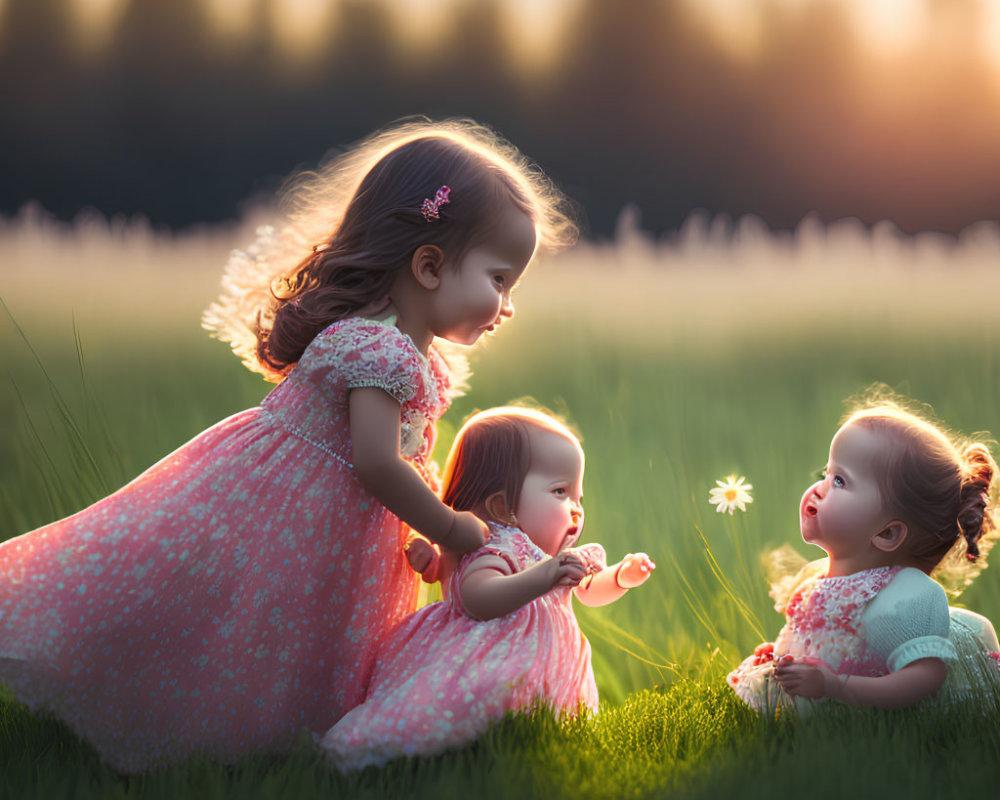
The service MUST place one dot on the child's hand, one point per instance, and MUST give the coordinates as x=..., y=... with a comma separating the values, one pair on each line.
x=634, y=570
x=422, y=558
x=566, y=569
x=467, y=533
x=805, y=680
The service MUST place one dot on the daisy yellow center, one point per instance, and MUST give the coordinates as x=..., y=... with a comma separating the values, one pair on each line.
x=730, y=494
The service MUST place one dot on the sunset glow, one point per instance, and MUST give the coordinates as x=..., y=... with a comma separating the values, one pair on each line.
x=232, y=19
x=991, y=33
x=534, y=32
x=889, y=27
x=301, y=28
x=421, y=24
x=885, y=28
x=535, y=29
x=735, y=25
x=96, y=21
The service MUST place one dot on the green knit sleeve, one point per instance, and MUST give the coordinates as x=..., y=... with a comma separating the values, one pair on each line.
x=908, y=620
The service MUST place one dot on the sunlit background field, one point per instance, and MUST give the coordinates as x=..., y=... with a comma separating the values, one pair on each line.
x=724, y=349
x=782, y=203
x=180, y=111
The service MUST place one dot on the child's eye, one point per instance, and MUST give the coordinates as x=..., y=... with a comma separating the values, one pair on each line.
x=560, y=491
x=839, y=481
x=500, y=281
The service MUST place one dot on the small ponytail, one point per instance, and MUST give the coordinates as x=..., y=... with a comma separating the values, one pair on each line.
x=975, y=517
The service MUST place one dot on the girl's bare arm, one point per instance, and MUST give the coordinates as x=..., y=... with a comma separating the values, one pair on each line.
x=375, y=426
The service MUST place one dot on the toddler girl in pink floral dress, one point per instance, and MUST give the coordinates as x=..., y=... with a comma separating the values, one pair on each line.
x=868, y=625
x=506, y=637
x=234, y=593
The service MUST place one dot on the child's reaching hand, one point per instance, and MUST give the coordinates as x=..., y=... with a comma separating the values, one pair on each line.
x=607, y=585
x=634, y=570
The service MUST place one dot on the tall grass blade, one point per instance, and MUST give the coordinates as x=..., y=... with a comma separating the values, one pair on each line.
x=47, y=470
x=77, y=441
x=93, y=405
x=745, y=611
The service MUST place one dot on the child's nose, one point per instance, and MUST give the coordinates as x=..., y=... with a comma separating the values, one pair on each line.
x=506, y=307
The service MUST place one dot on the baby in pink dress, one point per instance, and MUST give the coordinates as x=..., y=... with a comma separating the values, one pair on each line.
x=506, y=637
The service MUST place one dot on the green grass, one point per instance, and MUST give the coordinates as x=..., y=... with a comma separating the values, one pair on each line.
x=660, y=422
x=694, y=740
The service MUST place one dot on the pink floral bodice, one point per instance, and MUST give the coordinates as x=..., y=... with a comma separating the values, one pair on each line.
x=824, y=622
x=312, y=402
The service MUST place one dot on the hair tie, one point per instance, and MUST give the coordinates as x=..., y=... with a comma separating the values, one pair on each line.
x=430, y=207
x=319, y=248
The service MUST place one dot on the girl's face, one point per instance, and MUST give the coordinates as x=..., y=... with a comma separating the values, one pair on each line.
x=474, y=295
x=843, y=512
x=549, y=509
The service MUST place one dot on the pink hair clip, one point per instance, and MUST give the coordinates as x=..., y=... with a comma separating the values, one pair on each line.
x=430, y=207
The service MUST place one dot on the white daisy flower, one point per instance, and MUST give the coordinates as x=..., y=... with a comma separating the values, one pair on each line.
x=731, y=494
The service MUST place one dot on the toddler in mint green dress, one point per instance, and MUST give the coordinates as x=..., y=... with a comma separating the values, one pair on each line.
x=868, y=625
x=872, y=623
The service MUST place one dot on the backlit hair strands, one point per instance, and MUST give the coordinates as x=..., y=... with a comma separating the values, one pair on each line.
x=349, y=226
x=941, y=485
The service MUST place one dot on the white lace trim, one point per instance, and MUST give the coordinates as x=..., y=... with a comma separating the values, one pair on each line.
x=298, y=432
x=394, y=390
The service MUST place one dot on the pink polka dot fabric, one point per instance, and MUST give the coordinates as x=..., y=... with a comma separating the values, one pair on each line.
x=443, y=678
x=233, y=594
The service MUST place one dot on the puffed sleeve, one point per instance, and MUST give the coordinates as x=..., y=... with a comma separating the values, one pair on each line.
x=502, y=544
x=357, y=353
x=593, y=555
x=494, y=547
x=908, y=620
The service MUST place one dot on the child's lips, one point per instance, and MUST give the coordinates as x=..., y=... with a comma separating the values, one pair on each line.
x=809, y=508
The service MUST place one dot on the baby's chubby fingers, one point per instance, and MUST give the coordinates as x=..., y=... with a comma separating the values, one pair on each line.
x=799, y=679
x=571, y=569
x=419, y=554
x=644, y=562
x=635, y=569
